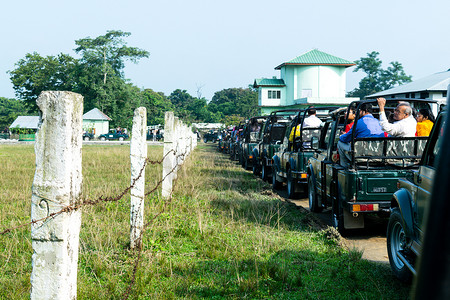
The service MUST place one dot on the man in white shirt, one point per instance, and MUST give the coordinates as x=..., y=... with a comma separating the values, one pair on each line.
x=312, y=120
x=404, y=125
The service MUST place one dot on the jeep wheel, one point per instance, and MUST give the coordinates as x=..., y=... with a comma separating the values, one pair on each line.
x=396, y=242
x=121, y=139
x=246, y=164
x=102, y=138
x=312, y=196
x=290, y=185
x=86, y=138
x=276, y=185
x=255, y=169
x=337, y=212
x=264, y=172
x=205, y=140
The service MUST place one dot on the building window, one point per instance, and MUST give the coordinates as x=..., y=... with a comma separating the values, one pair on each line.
x=413, y=95
x=444, y=94
x=424, y=95
x=274, y=95
x=406, y=95
x=306, y=93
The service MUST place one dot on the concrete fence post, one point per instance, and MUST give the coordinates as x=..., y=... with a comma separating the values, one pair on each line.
x=176, y=147
x=169, y=157
x=57, y=184
x=138, y=156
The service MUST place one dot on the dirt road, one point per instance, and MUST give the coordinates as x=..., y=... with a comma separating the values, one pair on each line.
x=371, y=240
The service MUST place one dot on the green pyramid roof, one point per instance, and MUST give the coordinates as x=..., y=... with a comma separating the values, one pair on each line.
x=316, y=57
x=268, y=82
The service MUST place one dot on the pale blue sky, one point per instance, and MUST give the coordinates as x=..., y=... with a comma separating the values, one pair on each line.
x=222, y=44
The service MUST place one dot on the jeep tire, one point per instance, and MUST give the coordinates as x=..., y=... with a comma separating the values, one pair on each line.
x=276, y=185
x=396, y=241
x=290, y=185
x=312, y=196
x=264, y=171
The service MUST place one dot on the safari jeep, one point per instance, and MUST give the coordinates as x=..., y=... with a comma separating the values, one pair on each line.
x=291, y=160
x=376, y=165
x=408, y=204
x=271, y=137
x=251, y=137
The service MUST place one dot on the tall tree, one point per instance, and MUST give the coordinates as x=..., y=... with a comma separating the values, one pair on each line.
x=35, y=73
x=377, y=79
x=101, y=72
x=109, y=52
x=98, y=75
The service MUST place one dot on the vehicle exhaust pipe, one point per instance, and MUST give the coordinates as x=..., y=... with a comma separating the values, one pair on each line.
x=355, y=215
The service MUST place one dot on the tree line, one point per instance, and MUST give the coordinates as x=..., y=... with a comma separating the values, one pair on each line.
x=98, y=75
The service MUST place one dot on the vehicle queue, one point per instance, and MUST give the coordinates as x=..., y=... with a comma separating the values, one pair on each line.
x=379, y=171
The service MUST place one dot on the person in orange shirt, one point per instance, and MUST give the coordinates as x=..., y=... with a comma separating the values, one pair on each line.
x=425, y=121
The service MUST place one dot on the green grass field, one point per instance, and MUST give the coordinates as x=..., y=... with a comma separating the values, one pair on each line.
x=224, y=235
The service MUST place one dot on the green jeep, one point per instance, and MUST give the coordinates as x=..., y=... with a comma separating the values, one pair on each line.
x=376, y=165
x=290, y=162
x=408, y=205
x=114, y=134
x=251, y=137
x=272, y=134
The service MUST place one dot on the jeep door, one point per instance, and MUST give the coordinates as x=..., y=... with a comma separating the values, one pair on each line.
x=423, y=178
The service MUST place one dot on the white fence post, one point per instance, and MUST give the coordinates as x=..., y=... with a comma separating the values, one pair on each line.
x=178, y=137
x=57, y=184
x=138, y=156
x=169, y=158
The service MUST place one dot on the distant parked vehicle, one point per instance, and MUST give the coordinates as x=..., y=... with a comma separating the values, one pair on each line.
x=210, y=137
x=114, y=135
x=88, y=136
x=156, y=137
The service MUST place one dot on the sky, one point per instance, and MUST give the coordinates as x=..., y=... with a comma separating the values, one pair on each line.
x=204, y=46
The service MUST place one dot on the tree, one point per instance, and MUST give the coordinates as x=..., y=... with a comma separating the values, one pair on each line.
x=377, y=79
x=109, y=52
x=10, y=109
x=34, y=74
x=235, y=101
x=157, y=104
x=102, y=81
x=98, y=76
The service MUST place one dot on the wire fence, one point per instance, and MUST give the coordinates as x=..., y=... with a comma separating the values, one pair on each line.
x=179, y=155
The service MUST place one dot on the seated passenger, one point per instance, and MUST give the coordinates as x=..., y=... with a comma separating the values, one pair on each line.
x=367, y=126
x=404, y=125
x=425, y=121
x=351, y=120
x=312, y=120
x=294, y=131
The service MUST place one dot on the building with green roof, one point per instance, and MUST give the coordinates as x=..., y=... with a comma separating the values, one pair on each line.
x=313, y=78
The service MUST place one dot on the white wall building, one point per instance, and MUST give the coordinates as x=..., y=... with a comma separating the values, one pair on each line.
x=96, y=122
x=313, y=78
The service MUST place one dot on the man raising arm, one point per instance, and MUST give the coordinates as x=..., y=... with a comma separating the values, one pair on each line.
x=404, y=125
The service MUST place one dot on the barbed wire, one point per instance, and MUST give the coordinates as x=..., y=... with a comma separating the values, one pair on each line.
x=103, y=199
x=76, y=206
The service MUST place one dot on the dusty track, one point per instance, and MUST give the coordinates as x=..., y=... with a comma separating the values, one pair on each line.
x=370, y=240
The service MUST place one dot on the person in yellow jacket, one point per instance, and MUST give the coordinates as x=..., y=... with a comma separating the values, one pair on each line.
x=297, y=133
x=425, y=121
